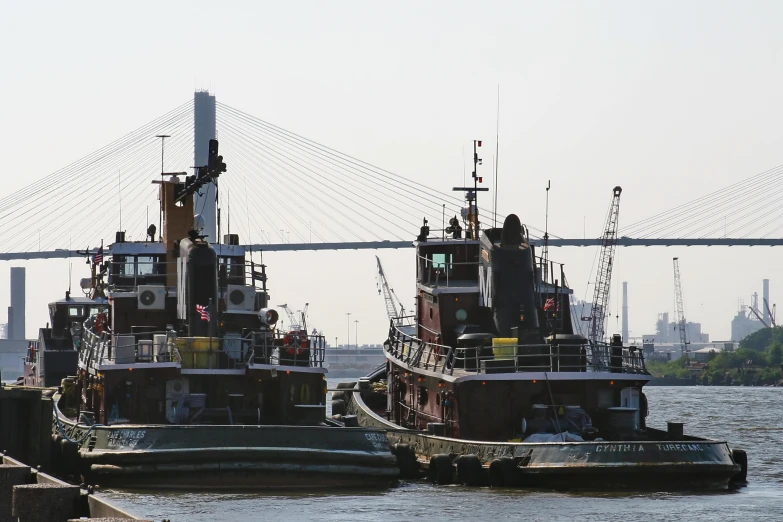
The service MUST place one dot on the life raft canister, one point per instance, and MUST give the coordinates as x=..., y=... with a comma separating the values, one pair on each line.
x=295, y=342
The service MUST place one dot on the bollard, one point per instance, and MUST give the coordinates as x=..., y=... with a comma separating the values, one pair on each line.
x=45, y=502
x=10, y=476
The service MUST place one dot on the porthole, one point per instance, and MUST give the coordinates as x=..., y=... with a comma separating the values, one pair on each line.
x=461, y=314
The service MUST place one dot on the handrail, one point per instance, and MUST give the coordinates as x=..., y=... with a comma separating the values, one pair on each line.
x=555, y=357
x=267, y=347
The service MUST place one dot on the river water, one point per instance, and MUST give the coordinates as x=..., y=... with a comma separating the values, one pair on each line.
x=749, y=418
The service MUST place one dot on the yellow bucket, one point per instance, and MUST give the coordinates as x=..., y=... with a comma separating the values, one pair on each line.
x=504, y=346
x=195, y=352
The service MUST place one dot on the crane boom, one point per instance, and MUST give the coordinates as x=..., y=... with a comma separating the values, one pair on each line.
x=296, y=323
x=758, y=316
x=604, y=275
x=680, y=309
x=394, y=308
x=770, y=313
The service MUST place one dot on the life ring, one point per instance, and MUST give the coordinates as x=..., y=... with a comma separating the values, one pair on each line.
x=296, y=342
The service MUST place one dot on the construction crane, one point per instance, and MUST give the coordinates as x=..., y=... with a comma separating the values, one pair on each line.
x=295, y=323
x=758, y=316
x=680, y=311
x=603, y=278
x=771, y=313
x=393, y=304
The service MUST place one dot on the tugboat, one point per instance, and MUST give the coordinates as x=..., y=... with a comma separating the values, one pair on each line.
x=487, y=382
x=181, y=377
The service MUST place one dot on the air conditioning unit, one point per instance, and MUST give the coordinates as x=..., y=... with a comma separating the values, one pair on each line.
x=176, y=389
x=152, y=297
x=240, y=297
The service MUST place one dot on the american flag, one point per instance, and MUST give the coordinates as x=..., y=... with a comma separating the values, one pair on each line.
x=204, y=311
x=549, y=304
x=97, y=258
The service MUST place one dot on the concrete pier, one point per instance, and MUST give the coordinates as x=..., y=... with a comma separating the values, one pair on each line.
x=11, y=476
x=30, y=494
x=45, y=502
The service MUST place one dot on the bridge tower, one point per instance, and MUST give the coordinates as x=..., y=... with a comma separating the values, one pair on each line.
x=204, y=129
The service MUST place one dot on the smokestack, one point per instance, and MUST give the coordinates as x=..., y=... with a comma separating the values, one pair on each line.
x=16, y=312
x=625, y=312
x=766, y=304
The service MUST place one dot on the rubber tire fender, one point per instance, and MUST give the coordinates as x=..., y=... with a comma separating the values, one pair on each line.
x=338, y=407
x=406, y=461
x=469, y=470
x=503, y=473
x=441, y=471
x=740, y=457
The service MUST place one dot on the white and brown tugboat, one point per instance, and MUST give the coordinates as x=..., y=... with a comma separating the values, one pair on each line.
x=181, y=377
x=487, y=382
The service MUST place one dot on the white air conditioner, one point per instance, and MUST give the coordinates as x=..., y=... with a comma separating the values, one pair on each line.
x=152, y=297
x=240, y=297
x=176, y=389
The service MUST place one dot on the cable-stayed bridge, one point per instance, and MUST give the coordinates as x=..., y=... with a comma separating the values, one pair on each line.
x=286, y=192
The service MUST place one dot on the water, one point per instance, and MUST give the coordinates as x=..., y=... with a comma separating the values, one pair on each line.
x=749, y=418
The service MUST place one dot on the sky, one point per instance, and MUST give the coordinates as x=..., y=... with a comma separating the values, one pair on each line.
x=670, y=100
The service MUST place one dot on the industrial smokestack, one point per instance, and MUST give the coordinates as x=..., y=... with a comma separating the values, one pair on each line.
x=16, y=313
x=625, y=312
x=765, y=305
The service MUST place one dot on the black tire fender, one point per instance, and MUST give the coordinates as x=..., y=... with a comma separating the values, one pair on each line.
x=503, y=473
x=740, y=457
x=441, y=471
x=469, y=470
x=406, y=461
x=338, y=407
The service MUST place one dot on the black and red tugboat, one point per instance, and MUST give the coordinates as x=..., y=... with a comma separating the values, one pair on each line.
x=181, y=377
x=488, y=383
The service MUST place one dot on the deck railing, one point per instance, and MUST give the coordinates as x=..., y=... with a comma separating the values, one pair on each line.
x=219, y=353
x=485, y=358
x=277, y=348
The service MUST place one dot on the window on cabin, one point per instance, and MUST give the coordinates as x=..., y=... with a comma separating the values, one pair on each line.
x=442, y=263
x=145, y=265
x=75, y=311
x=129, y=266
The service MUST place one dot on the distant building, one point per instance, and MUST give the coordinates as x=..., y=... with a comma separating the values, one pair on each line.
x=364, y=357
x=13, y=345
x=580, y=316
x=744, y=324
x=708, y=352
x=16, y=312
x=668, y=332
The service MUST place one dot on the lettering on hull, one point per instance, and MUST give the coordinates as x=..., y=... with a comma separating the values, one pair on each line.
x=127, y=439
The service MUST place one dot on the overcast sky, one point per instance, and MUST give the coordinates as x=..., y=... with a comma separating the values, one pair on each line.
x=670, y=100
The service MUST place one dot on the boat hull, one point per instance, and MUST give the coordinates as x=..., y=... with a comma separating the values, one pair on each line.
x=224, y=457
x=664, y=465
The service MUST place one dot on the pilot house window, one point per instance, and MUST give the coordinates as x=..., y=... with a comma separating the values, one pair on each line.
x=441, y=263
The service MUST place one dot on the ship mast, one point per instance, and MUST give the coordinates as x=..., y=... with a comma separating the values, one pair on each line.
x=471, y=195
